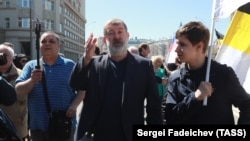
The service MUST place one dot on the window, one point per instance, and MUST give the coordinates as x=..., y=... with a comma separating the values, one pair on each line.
x=52, y=6
x=65, y=33
x=24, y=3
x=60, y=9
x=49, y=5
x=7, y=4
x=23, y=22
x=48, y=24
x=60, y=27
x=7, y=22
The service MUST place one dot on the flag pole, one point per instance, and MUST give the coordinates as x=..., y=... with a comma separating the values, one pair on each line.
x=209, y=50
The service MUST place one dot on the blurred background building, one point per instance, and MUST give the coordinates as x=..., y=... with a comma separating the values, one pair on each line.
x=65, y=17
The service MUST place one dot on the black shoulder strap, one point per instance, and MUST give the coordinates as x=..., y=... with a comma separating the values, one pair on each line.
x=45, y=92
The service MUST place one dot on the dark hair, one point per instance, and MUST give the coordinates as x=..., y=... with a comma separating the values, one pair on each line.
x=18, y=58
x=97, y=50
x=194, y=32
x=114, y=22
x=142, y=46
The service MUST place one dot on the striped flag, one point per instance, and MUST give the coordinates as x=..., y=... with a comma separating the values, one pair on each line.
x=235, y=49
x=171, y=54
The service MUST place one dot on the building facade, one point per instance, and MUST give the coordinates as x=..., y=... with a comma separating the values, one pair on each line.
x=65, y=17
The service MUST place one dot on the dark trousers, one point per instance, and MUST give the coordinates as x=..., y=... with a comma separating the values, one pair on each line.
x=38, y=135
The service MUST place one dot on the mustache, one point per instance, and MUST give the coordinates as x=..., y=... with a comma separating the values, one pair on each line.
x=117, y=41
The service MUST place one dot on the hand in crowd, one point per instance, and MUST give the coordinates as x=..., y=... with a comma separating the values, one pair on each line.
x=89, y=48
x=71, y=111
x=164, y=81
x=36, y=75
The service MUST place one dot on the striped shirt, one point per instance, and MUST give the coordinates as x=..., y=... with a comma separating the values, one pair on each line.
x=59, y=91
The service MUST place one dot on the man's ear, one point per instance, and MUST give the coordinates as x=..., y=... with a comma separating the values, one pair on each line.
x=200, y=45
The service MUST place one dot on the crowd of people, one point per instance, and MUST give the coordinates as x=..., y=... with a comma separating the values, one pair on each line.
x=120, y=87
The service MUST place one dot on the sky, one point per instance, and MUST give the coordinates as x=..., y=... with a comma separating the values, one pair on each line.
x=150, y=19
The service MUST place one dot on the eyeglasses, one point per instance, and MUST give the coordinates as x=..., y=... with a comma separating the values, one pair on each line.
x=23, y=60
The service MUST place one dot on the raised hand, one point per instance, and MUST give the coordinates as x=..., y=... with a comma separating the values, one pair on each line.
x=89, y=48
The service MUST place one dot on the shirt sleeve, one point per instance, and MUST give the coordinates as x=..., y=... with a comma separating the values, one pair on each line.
x=79, y=74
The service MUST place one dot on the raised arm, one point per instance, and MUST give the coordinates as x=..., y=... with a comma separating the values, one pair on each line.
x=89, y=50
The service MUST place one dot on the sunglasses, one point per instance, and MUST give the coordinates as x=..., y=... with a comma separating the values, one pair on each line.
x=23, y=60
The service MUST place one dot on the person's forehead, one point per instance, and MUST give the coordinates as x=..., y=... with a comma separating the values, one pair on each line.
x=182, y=38
x=111, y=27
x=48, y=35
x=146, y=49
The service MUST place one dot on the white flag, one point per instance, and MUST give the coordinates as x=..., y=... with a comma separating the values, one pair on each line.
x=224, y=8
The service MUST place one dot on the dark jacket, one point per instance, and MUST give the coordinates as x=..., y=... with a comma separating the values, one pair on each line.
x=7, y=93
x=140, y=83
x=183, y=108
x=7, y=128
x=7, y=98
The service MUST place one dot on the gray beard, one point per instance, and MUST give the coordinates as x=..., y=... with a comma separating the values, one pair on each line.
x=117, y=50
